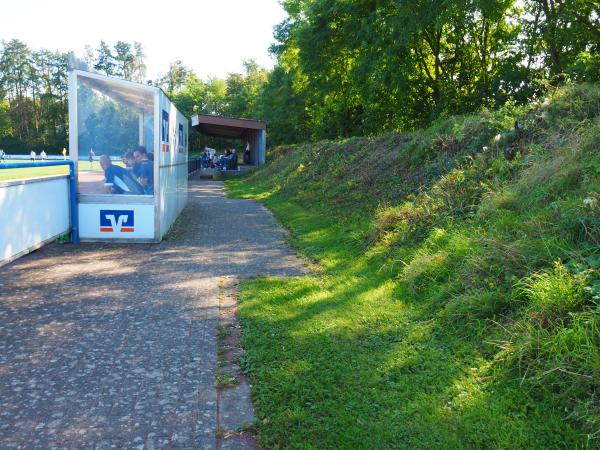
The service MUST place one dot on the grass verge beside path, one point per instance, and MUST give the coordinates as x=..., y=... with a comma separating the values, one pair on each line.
x=457, y=299
x=338, y=360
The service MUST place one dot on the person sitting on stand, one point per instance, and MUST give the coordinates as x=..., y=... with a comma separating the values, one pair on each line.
x=223, y=162
x=228, y=159
x=247, y=153
x=204, y=159
x=233, y=160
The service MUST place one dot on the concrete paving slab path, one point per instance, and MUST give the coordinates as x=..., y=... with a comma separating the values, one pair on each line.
x=113, y=345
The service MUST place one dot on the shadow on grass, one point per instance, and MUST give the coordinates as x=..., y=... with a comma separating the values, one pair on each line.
x=347, y=366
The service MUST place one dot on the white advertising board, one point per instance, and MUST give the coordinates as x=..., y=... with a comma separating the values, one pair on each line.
x=109, y=221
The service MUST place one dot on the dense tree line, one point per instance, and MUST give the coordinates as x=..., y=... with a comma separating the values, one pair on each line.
x=238, y=95
x=33, y=97
x=33, y=91
x=344, y=67
x=358, y=67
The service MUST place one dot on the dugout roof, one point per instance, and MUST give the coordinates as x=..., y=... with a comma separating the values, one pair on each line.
x=226, y=127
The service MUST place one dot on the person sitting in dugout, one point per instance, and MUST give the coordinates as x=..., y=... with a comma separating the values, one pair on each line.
x=118, y=180
x=130, y=164
x=145, y=169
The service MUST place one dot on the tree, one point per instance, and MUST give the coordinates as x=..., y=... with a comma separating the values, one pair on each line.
x=283, y=106
x=174, y=80
x=214, y=99
x=124, y=60
x=138, y=64
x=6, y=126
x=33, y=97
x=105, y=60
x=564, y=29
x=15, y=69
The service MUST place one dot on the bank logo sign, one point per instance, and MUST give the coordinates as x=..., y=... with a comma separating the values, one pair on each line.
x=180, y=141
x=116, y=221
x=164, y=132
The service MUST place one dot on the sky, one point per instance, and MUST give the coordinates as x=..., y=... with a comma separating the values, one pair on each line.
x=212, y=37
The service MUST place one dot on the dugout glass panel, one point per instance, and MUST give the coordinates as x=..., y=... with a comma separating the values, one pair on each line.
x=114, y=117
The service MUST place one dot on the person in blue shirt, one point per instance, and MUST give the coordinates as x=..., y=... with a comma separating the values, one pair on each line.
x=223, y=162
x=233, y=160
x=145, y=169
x=205, y=158
x=118, y=180
x=129, y=161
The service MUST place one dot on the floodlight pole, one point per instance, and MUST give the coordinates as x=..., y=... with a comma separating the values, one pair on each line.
x=72, y=187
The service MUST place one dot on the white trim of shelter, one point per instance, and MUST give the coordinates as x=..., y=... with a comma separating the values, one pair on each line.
x=157, y=143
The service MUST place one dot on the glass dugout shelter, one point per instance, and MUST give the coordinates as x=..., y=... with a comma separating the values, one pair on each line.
x=130, y=146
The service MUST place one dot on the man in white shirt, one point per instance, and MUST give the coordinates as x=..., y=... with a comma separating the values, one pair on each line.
x=32, y=156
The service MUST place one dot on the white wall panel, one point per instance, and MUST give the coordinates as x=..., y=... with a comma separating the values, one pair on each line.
x=32, y=212
x=173, y=165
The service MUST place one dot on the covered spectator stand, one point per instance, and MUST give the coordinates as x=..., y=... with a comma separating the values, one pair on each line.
x=119, y=200
x=246, y=130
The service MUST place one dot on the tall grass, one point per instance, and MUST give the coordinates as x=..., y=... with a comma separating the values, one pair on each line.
x=479, y=238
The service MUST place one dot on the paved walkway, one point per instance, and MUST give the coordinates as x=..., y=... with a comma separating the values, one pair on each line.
x=114, y=346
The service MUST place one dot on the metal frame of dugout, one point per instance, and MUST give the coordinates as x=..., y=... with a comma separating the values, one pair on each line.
x=110, y=116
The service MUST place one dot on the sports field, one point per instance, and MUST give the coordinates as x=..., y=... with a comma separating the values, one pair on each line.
x=36, y=172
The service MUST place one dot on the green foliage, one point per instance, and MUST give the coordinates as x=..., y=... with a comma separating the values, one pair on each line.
x=346, y=68
x=33, y=103
x=123, y=60
x=350, y=68
x=456, y=298
x=175, y=78
x=33, y=91
x=236, y=96
x=6, y=127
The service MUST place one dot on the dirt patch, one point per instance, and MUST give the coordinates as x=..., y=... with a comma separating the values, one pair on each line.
x=235, y=415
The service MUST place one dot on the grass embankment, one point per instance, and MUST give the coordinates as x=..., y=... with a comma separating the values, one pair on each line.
x=457, y=299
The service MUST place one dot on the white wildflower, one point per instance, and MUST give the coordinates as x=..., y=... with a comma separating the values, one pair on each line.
x=590, y=202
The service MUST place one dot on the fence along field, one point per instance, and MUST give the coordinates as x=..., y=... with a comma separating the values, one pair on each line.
x=35, y=208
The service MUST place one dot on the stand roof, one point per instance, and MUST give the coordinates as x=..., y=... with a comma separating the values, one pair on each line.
x=227, y=127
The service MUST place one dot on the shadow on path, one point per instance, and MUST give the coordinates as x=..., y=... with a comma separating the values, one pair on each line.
x=114, y=346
